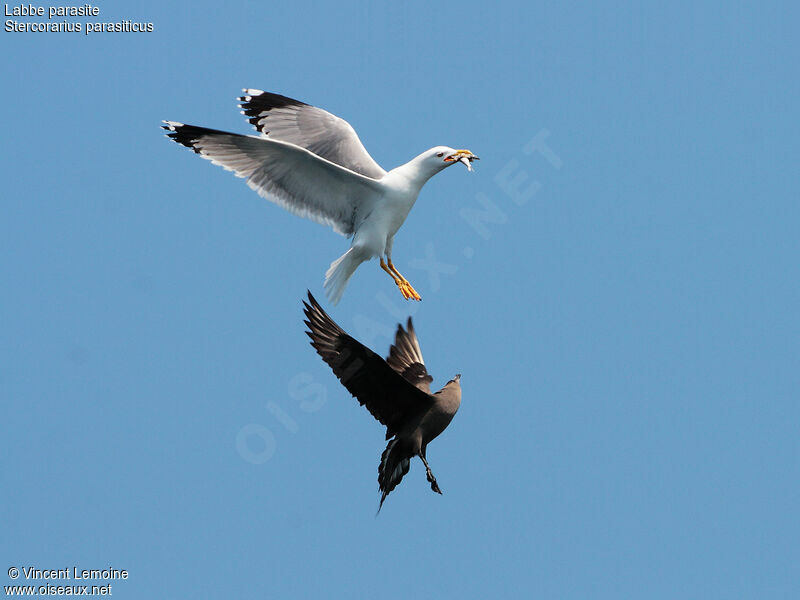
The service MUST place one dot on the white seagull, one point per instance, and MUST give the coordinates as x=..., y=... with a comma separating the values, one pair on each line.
x=313, y=164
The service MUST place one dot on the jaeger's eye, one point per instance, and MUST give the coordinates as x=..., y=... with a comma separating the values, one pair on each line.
x=440, y=154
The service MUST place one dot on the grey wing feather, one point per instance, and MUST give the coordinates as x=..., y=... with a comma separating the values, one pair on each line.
x=288, y=175
x=405, y=357
x=316, y=130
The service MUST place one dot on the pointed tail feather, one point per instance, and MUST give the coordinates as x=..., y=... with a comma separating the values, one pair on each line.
x=339, y=273
x=394, y=465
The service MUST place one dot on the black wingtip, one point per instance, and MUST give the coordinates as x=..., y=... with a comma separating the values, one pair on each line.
x=312, y=306
x=380, y=505
x=256, y=104
x=315, y=306
x=317, y=317
x=259, y=100
x=308, y=311
x=185, y=135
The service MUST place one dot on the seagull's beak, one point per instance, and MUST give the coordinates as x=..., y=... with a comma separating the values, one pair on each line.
x=462, y=156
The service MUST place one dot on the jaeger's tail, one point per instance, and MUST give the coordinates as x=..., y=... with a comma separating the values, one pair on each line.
x=394, y=465
x=339, y=273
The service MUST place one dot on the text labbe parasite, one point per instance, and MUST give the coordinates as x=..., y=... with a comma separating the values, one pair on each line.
x=29, y=10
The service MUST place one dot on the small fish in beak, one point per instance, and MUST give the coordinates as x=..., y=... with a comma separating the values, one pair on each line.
x=463, y=156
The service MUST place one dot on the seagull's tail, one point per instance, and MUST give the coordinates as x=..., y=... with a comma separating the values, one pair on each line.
x=339, y=273
x=394, y=465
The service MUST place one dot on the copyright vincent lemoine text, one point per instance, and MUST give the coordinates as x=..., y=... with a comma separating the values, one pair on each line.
x=69, y=581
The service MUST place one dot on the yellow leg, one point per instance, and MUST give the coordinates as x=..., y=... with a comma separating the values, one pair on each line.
x=393, y=276
x=398, y=281
x=406, y=289
x=401, y=282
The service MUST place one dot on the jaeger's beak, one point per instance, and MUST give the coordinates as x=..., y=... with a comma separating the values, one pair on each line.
x=462, y=156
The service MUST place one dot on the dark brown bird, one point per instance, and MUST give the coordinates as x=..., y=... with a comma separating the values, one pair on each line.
x=396, y=391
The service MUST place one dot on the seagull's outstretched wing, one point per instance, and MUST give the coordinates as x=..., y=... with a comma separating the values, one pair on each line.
x=386, y=394
x=405, y=357
x=288, y=175
x=309, y=127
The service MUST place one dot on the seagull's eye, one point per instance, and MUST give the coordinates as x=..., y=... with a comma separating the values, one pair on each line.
x=440, y=154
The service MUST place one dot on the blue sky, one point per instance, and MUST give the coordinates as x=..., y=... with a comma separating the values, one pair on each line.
x=625, y=314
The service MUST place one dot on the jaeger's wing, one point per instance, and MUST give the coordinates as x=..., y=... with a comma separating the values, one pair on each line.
x=386, y=394
x=405, y=357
